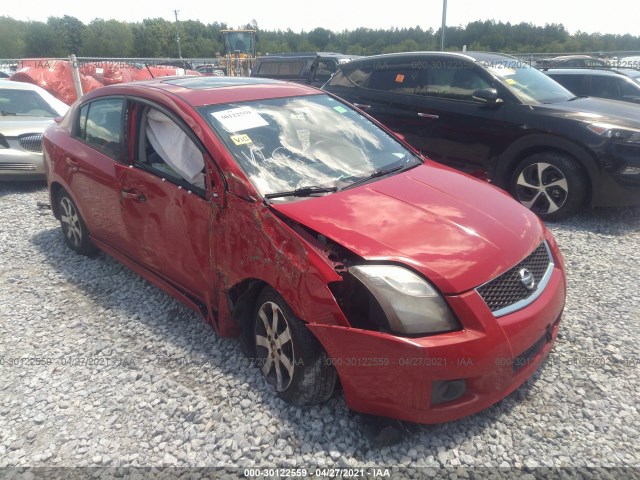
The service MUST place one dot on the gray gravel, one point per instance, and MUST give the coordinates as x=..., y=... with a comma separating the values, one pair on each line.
x=121, y=375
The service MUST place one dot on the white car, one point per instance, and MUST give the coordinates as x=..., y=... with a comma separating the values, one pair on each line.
x=26, y=110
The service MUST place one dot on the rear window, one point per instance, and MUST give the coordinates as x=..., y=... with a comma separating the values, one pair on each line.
x=281, y=68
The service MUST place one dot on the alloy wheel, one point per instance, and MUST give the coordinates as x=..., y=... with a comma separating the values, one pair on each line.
x=70, y=221
x=274, y=345
x=542, y=188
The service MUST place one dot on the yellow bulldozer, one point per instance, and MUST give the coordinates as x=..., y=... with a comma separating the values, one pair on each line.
x=239, y=51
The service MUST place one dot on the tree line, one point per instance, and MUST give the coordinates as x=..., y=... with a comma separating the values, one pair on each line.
x=156, y=38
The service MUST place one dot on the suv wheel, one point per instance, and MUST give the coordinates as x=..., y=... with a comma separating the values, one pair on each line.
x=550, y=184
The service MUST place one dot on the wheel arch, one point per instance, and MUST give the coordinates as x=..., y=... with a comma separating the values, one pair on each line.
x=54, y=191
x=241, y=299
x=533, y=144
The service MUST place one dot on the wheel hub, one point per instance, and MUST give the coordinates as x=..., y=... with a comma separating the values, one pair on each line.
x=542, y=188
x=274, y=347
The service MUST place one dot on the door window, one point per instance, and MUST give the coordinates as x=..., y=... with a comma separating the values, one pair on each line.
x=167, y=150
x=100, y=125
x=400, y=78
x=605, y=87
x=452, y=80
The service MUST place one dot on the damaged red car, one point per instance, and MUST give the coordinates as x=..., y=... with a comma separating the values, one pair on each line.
x=337, y=254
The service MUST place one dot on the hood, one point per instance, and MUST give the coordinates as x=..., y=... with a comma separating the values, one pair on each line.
x=12, y=126
x=456, y=230
x=591, y=109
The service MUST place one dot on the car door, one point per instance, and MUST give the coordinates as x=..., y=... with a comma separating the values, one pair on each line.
x=385, y=89
x=449, y=124
x=91, y=159
x=168, y=198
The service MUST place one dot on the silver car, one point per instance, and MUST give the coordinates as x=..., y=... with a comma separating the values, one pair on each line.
x=26, y=110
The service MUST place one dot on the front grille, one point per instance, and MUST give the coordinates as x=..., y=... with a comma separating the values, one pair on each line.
x=31, y=142
x=26, y=167
x=508, y=293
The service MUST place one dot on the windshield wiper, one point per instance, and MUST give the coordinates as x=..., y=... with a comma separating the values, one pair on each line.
x=383, y=171
x=302, y=192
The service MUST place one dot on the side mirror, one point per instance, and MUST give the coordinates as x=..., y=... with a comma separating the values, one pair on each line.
x=487, y=95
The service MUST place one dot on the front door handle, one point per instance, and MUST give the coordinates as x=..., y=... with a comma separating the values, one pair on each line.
x=132, y=195
x=428, y=115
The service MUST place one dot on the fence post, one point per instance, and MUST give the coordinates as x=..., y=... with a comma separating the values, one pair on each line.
x=75, y=74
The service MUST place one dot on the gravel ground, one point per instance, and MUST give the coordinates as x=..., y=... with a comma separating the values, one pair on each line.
x=120, y=375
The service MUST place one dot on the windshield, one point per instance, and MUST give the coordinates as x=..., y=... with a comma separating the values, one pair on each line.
x=24, y=103
x=528, y=84
x=312, y=141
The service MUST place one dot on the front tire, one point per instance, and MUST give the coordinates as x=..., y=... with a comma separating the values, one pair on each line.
x=290, y=358
x=74, y=230
x=551, y=185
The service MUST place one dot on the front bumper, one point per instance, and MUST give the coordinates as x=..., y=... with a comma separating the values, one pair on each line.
x=618, y=184
x=392, y=376
x=21, y=165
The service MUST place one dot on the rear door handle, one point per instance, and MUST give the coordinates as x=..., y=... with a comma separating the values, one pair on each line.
x=72, y=164
x=428, y=115
x=133, y=195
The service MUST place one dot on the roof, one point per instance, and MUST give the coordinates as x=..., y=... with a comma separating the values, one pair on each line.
x=473, y=56
x=603, y=72
x=199, y=90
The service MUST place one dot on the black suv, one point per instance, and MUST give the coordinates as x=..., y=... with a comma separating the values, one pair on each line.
x=492, y=114
x=313, y=68
x=616, y=84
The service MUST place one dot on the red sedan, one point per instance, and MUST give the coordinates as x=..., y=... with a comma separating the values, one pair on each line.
x=332, y=249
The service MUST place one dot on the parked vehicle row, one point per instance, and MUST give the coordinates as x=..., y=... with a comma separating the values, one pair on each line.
x=612, y=83
x=313, y=68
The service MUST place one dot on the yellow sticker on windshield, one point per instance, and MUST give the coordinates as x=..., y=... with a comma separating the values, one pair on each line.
x=510, y=81
x=242, y=139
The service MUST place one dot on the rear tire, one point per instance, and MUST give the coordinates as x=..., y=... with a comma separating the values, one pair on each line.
x=550, y=184
x=290, y=358
x=74, y=230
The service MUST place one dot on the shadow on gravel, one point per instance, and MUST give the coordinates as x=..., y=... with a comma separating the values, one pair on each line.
x=606, y=221
x=10, y=188
x=177, y=324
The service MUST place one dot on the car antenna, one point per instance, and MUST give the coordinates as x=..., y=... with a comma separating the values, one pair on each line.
x=149, y=70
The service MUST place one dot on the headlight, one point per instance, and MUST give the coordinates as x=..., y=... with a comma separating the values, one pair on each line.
x=615, y=132
x=411, y=304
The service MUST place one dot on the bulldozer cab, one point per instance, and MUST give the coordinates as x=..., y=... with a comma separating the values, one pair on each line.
x=239, y=51
x=239, y=42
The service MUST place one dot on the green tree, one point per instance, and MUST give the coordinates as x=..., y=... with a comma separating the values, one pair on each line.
x=42, y=41
x=108, y=38
x=155, y=37
x=12, y=38
x=70, y=30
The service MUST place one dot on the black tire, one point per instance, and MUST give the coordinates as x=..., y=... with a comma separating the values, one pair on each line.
x=550, y=184
x=290, y=358
x=74, y=230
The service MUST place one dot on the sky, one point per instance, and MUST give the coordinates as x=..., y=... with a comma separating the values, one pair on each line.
x=614, y=16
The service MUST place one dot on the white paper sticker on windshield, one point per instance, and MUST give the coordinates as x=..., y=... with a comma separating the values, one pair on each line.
x=238, y=119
